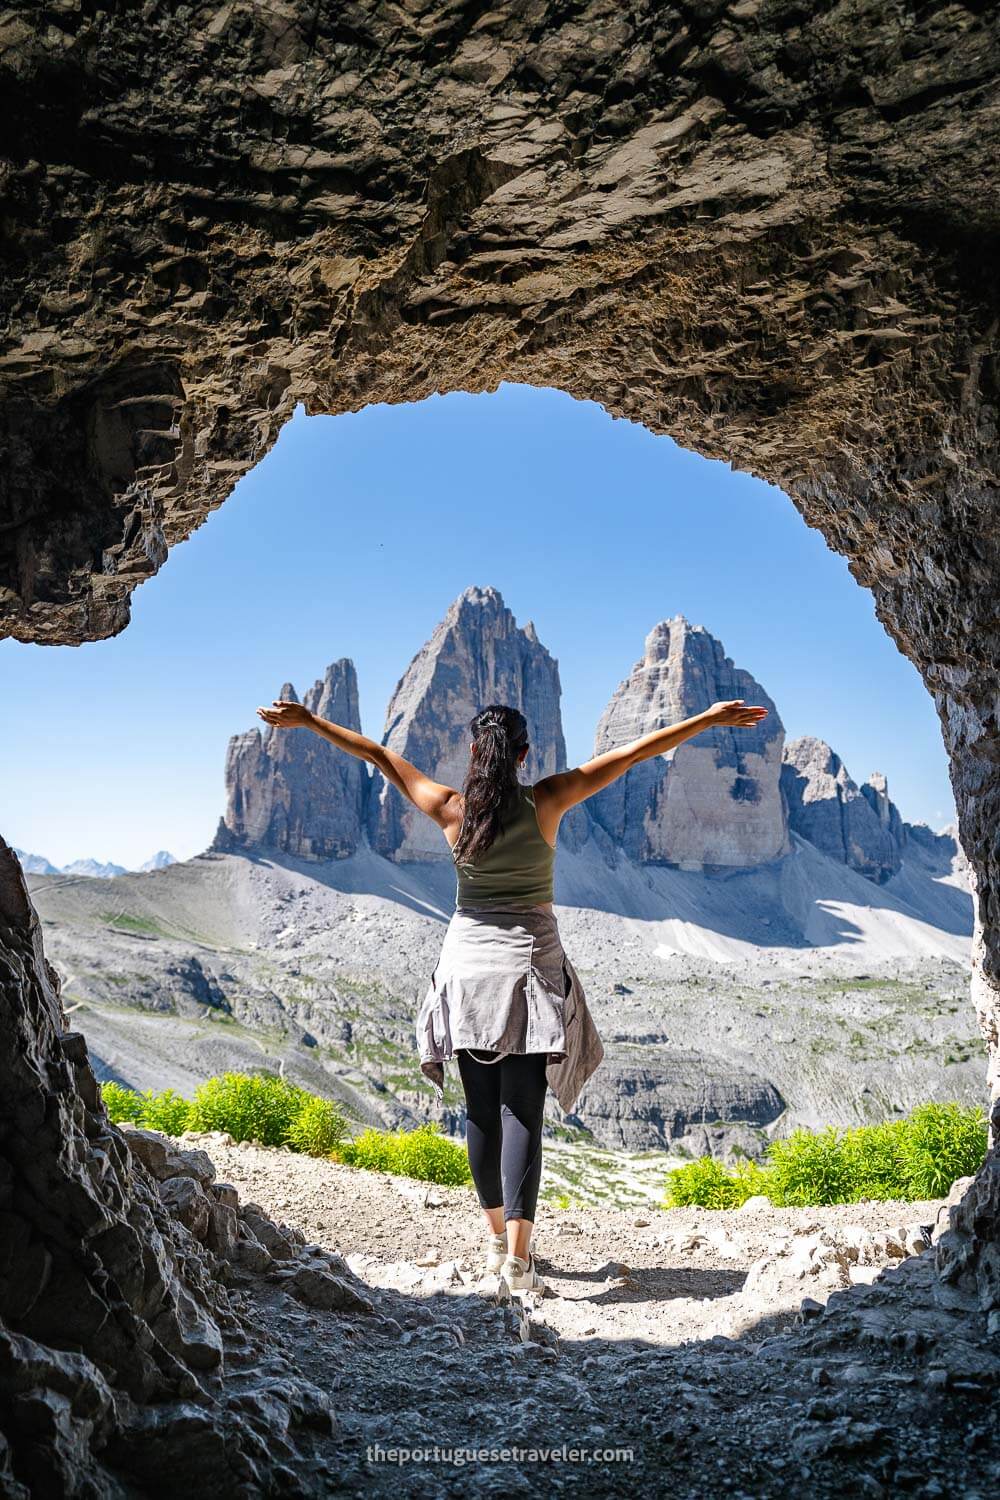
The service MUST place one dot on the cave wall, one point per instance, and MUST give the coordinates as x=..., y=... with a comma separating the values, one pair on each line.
x=766, y=228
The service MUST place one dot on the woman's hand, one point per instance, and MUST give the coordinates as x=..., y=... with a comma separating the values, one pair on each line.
x=283, y=715
x=735, y=712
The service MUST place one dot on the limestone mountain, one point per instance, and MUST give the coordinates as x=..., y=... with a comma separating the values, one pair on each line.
x=713, y=801
x=292, y=791
x=858, y=826
x=478, y=654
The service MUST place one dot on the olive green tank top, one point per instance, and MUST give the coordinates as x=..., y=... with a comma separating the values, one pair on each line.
x=517, y=869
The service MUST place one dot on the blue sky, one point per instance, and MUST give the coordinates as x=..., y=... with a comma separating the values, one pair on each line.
x=352, y=537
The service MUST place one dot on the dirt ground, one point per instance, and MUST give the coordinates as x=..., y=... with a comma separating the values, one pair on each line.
x=674, y=1354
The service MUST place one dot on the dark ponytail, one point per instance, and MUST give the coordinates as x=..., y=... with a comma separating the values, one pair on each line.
x=499, y=734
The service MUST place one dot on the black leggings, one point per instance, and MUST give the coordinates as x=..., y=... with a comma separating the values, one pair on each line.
x=504, y=1101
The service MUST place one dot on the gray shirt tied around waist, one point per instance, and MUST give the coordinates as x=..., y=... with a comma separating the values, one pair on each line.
x=504, y=983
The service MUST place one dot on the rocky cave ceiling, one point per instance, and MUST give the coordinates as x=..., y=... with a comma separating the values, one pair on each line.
x=767, y=228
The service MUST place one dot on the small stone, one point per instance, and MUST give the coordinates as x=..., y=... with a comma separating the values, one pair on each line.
x=936, y=1378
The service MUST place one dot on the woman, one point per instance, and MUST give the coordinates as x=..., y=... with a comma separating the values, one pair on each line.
x=504, y=998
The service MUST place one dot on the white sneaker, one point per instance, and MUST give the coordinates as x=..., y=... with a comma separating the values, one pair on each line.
x=520, y=1275
x=496, y=1253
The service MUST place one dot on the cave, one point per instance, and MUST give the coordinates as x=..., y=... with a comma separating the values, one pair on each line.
x=767, y=229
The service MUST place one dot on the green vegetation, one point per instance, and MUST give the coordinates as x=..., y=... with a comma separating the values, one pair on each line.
x=707, y=1183
x=424, y=1153
x=919, y=1157
x=317, y=1128
x=165, y=1111
x=251, y=1107
x=274, y=1112
x=126, y=922
x=122, y=1104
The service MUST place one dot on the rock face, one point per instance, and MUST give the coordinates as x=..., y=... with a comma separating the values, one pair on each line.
x=858, y=827
x=114, y=1313
x=677, y=1098
x=290, y=790
x=940, y=853
x=713, y=801
x=764, y=231
x=477, y=655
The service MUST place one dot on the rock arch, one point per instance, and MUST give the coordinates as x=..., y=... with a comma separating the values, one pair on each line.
x=765, y=228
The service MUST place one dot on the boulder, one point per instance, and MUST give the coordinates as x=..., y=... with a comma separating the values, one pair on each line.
x=160, y=1156
x=317, y=1288
x=184, y=1198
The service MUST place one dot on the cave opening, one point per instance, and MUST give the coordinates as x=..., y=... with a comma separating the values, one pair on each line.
x=765, y=232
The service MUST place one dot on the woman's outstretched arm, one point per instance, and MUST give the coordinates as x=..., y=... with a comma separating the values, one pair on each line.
x=555, y=795
x=440, y=802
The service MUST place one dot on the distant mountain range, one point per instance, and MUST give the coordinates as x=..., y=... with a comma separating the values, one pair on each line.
x=765, y=942
x=729, y=800
x=37, y=864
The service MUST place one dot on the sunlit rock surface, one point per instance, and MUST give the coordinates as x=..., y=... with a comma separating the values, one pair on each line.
x=858, y=826
x=714, y=800
x=292, y=790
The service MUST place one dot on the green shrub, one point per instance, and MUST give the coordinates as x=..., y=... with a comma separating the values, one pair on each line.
x=423, y=1153
x=919, y=1157
x=165, y=1111
x=318, y=1128
x=808, y=1169
x=709, y=1184
x=122, y=1104
x=873, y=1160
x=942, y=1143
x=252, y=1107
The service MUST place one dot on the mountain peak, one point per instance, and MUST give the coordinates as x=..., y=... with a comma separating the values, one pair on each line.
x=290, y=790
x=160, y=861
x=476, y=654
x=477, y=597
x=857, y=826
x=714, y=800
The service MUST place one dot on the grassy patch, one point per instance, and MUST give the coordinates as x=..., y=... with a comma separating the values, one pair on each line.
x=125, y=922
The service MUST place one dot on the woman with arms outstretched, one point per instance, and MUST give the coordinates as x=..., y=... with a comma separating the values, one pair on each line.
x=504, y=999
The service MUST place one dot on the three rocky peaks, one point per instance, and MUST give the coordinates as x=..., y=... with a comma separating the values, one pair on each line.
x=727, y=799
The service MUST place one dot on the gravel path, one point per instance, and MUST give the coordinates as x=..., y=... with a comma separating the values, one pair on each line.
x=674, y=1353
x=656, y=1274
